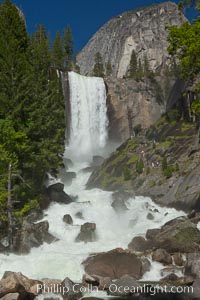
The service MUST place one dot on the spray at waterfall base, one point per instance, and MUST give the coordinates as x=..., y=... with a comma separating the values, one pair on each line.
x=114, y=288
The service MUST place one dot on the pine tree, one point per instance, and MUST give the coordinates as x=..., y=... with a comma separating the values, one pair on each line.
x=58, y=55
x=68, y=48
x=133, y=68
x=108, y=69
x=98, y=70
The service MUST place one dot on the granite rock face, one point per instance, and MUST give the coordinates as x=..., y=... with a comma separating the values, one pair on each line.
x=131, y=103
x=143, y=30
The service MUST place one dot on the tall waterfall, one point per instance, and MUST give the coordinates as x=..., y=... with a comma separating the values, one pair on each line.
x=89, y=122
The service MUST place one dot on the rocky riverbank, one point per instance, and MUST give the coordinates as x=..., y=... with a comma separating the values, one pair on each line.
x=162, y=163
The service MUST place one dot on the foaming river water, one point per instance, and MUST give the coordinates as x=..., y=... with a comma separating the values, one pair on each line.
x=64, y=257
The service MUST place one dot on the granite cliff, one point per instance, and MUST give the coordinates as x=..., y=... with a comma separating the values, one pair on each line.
x=133, y=102
x=143, y=30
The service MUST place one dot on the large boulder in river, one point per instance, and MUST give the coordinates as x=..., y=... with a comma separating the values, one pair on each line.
x=55, y=193
x=178, y=235
x=67, y=177
x=12, y=283
x=114, y=264
x=87, y=233
x=32, y=235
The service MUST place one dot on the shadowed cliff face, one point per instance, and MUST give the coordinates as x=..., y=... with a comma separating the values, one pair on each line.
x=143, y=31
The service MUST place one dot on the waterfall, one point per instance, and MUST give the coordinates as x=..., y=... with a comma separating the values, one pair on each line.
x=88, y=116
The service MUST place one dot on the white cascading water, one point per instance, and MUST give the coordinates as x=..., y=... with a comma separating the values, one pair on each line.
x=64, y=257
x=88, y=130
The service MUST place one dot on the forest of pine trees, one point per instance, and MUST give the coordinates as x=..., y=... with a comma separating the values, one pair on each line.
x=32, y=120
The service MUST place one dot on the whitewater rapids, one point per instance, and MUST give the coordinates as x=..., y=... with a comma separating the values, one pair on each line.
x=63, y=258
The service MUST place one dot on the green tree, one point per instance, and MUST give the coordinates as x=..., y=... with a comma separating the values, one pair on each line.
x=68, y=48
x=98, y=70
x=133, y=68
x=58, y=55
x=126, y=173
x=108, y=69
x=140, y=166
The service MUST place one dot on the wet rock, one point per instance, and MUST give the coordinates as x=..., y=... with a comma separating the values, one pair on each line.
x=123, y=195
x=151, y=233
x=97, y=161
x=178, y=259
x=146, y=265
x=88, y=169
x=114, y=264
x=170, y=277
x=68, y=177
x=32, y=235
x=150, y=216
x=68, y=163
x=79, y=215
x=192, y=266
x=18, y=283
x=55, y=193
x=169, y=270
x=71, y=293
x=139, y=244
x=68, y=219
x=119, y=206
x=178, y=235
x=87, y=233
x=103, y=283
x=161, y=256
x=123, y=286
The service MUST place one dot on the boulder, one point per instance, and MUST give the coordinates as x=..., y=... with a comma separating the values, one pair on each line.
x=68, y=219
x=139, y=244
x=161, y=256
x=67, y=177
x=169, y=270
x=119, y=206
x=103, y=283
x=55, y=193
x=192, y=266
x=150, y=216
x=32, y=235
x=72, y=292
x=151, y=233
x=68, y=163
x=178, y=235
x=17, y=283
x=97, y=160
x=123, y=286
x=114, y=264
x=87, y=233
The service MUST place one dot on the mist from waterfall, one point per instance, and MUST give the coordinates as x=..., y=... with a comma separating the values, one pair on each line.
x=88, y=116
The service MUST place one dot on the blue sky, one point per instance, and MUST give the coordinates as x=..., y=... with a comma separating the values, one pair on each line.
x=84, y=16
